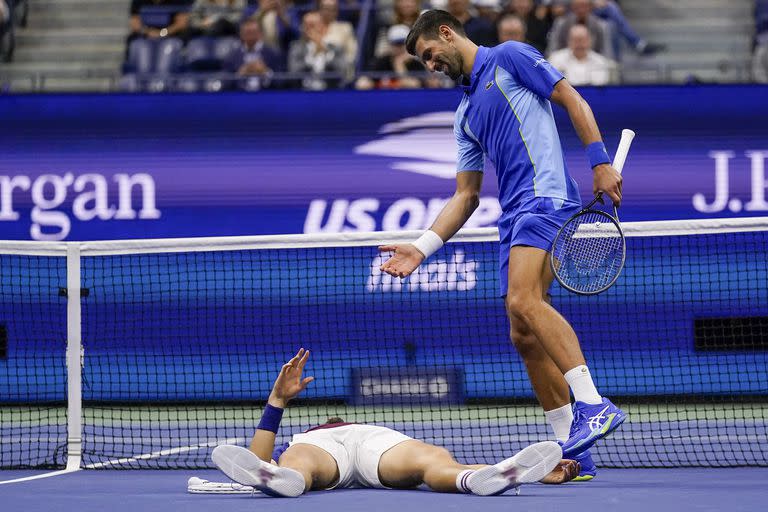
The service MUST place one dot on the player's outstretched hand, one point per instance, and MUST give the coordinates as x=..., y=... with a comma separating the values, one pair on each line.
x=608, y=180
x=403, y=262
x=289, y=382
x=565, y=471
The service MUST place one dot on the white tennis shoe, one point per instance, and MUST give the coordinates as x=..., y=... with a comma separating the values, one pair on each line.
x=531, y=464
x=244, y=467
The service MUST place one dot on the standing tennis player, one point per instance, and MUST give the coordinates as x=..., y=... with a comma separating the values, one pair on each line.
x=505, y=115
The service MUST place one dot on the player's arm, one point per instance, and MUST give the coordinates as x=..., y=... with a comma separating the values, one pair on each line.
x=606, y=178
x=287, y=385
x=455, y=214
x=461, y=206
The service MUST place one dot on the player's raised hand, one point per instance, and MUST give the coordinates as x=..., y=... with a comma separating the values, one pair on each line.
x=565, y=471
x=403, y=262
x=608, y=180
x=289, y=382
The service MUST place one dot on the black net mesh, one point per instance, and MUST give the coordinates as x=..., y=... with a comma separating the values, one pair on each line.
x=181, y=350
x=33, y=373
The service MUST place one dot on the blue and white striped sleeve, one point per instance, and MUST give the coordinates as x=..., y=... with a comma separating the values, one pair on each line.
x=470, y=154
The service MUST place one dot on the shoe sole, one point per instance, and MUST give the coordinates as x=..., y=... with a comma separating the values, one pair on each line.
x=581, y=448
x=244, y=467
x=583, y=478
x=529, y=465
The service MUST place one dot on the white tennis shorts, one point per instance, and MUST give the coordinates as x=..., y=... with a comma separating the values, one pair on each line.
x=357, y=450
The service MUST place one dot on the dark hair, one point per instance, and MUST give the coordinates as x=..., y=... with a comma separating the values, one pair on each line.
x=428, y=25
x=334, y=419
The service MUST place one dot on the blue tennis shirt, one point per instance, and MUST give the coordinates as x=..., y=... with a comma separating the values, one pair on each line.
x=505, y=114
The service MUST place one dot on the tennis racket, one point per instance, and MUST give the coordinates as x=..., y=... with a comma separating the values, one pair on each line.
x=197, y=485
x=589, y=250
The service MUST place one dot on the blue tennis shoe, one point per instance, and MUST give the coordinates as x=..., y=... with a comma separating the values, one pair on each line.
x=588, y=469
x=590, y=423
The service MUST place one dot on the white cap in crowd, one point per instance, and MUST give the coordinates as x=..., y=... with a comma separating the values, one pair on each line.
x=397, y=34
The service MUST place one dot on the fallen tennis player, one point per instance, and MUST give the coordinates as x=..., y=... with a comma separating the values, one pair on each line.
x=342, y=455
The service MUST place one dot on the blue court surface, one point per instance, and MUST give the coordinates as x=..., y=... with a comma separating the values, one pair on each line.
x=647, y=490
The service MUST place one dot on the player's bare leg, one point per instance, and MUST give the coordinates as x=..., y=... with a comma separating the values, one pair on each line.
x=549, y=385
x=317, y=466
x=528, y=281
x=547, y=380
x=526, y=304
x=411, y=463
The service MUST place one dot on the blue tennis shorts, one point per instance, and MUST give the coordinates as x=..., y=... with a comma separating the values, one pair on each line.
x=534, y=223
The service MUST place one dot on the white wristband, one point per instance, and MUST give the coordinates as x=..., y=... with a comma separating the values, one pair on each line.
x=428, y=243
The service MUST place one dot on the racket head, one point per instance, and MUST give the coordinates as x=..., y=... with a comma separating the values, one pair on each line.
x=588, y=252
x=197, y=485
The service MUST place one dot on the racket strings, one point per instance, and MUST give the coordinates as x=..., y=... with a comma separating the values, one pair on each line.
x=589, y=253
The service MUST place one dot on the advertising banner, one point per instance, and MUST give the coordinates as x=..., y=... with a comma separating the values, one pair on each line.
x=83, y=167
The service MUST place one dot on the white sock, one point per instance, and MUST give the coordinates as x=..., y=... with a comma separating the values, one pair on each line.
x=461, y=481
x=560, y=420
x=582, y=386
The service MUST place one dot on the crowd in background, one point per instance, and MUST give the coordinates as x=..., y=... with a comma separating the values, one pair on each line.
x=760, y=57
x=6, y=31
x=12, y=13
x=319, y=44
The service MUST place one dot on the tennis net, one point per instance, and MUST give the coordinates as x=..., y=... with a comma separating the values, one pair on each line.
x=182, y=339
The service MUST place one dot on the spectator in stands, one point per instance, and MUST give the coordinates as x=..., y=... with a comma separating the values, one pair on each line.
x=278, y=27
x=479, y=30
x=216, y=18
x=253, y=60
x=579, y=64
x=176, y=24
x=397, y=62
x=511, y=28
x=340, y=33
x=5, y=13
x=761, y=22
x=760, y=64
x=538, y=22
x=580, y=14
x=488, y=10
x=404, y=12
x=6, y=32
x=760, y=57
x=313, y=55
x=611, y=13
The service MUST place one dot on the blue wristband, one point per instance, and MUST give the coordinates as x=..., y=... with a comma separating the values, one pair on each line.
x=597, y=154
x=270, y=419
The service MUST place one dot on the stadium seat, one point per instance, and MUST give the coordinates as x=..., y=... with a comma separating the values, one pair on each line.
x=150, y=63
x=205, y=55
x=168, y=55
x=224, y=46
x=141, y=56
x=199, y=55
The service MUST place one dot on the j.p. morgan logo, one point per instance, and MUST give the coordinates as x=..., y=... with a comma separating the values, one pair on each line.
x=53, y=207
x=723, y=198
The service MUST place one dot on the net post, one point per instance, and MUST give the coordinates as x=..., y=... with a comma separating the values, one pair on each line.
x=74, y=359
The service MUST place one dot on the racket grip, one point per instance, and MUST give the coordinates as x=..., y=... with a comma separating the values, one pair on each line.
x=621, y=153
